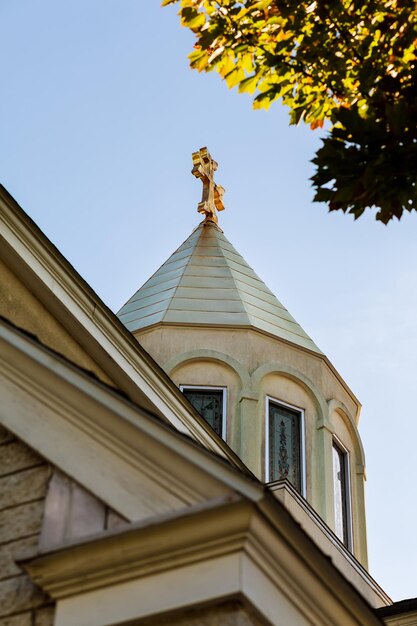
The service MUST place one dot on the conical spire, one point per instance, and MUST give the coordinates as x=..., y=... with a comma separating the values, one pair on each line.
x=206, y=282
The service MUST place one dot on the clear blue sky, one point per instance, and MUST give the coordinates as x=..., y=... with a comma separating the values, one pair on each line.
x=99, y=115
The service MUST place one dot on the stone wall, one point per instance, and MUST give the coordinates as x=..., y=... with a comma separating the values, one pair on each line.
x=24, y=478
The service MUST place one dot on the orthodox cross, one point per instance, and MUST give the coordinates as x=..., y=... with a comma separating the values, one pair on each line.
x=204, y=167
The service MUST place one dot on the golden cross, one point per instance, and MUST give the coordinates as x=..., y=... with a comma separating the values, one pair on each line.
x=204, y=167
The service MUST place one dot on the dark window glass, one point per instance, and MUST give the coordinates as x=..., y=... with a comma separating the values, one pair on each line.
x=340, y=494
x=209, y=403
x=284, y=444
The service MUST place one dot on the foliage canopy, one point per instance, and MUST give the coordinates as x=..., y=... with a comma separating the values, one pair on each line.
x=351, y=62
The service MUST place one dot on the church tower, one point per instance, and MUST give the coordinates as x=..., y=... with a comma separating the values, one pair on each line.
x=254, y=374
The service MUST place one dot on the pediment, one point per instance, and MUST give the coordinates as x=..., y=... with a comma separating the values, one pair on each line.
x=124, y=456
x=40, y=506
x=25, y=310
x=44, y=295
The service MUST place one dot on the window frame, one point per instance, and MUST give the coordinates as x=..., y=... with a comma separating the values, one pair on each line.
x=336, y=443
x=224, y=406
x=303, y=464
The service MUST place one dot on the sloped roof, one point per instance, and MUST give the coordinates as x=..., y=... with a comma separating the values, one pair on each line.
x=41, y=268
x=207, y=282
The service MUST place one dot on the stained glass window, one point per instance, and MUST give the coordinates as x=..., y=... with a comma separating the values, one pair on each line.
x=209, y=404
x=284, y=444
x=340, y=486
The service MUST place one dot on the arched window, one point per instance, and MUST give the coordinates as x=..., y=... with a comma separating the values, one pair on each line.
x=284, y=445
x=210, y=403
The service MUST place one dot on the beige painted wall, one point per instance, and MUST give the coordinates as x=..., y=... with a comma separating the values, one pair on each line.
x=253, y=366
x=23, y=309
x=250, y=348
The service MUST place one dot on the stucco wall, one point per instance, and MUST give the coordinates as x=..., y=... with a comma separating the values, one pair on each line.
x=254, y=366
x=251, y=349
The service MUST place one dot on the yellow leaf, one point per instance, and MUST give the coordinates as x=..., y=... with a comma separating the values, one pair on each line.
x=262, y=4
x=248, y=84
x=194, y=22
x=234, y=77
x=202, y=63
x=247, y=62
x=198, y=60
x=262, y=102
x=226, y=66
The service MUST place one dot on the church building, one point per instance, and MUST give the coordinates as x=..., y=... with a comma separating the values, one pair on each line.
x=193, y=460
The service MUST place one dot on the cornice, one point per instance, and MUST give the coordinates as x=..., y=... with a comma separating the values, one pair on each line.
x=283, y=489
x=275, y=556
x=400, y=613
x=316, y=355
x=142, y=549
x=401, y=620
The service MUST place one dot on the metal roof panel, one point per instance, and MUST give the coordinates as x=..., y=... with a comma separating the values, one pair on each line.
x=206, y=281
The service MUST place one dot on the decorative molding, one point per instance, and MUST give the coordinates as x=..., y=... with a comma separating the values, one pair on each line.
x=209, y=355
x=235, y=546
x=401, y=620
x=326, y=539
x=343, y=411
x=293, y=374
x=303, y=350
x=248, y=395
x=141, y=549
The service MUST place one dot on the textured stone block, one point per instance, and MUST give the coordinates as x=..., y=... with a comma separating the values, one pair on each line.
x=24, y=619
x=19, y=594
x=16, y=456
x=9, y=552
x=21, y=521
x=24, y=486
x=5, y=435
x=44, y=616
